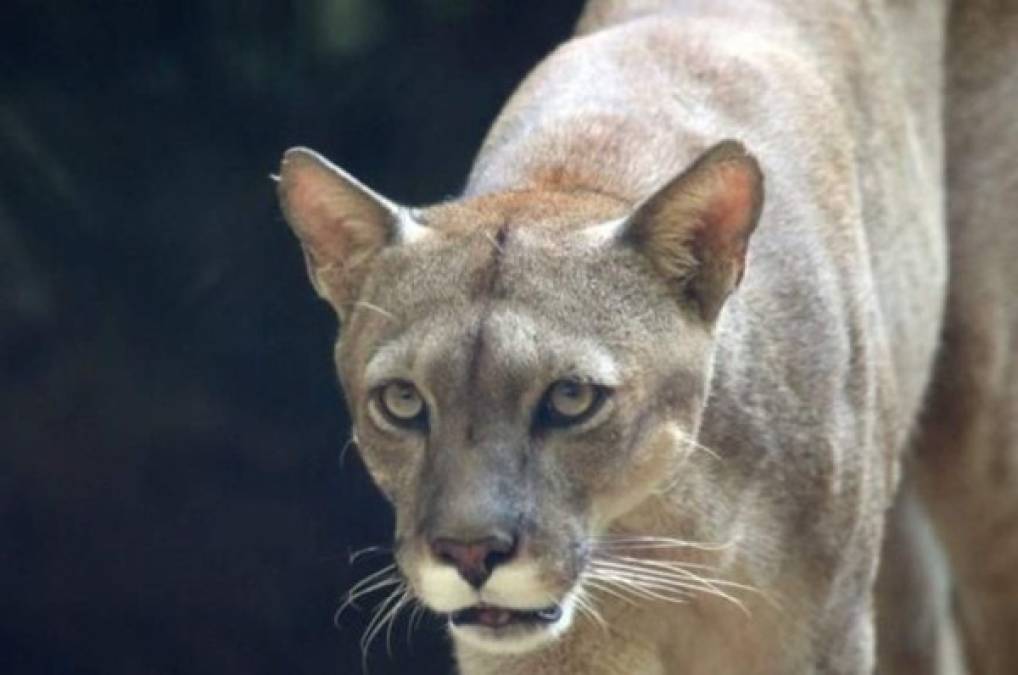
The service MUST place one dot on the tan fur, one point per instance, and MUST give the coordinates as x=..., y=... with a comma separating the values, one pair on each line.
x=599, y=239
x=967, y=464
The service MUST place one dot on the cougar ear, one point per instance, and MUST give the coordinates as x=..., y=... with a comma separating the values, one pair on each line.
x=695, y=229
x=341, y=223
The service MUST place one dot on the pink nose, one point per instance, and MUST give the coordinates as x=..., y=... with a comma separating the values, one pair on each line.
x=475, y=560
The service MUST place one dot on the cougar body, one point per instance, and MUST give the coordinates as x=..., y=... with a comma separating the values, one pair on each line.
x=755, y=324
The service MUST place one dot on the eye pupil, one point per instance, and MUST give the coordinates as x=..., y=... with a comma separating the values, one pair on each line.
x=402, y=403
x=569, y=402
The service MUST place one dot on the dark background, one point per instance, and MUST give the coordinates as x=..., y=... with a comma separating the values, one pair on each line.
x=171, y=494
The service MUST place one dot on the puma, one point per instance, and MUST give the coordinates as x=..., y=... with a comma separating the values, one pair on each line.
x=725, y=312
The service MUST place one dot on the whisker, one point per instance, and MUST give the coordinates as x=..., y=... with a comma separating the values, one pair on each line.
x=690, y=440
x=393, y=613
x=379, y=612
x=414, y=620
x=368, y=550
x=585, y=605
x=648, y=578
x=351, y=442
x=369, y=584
x=376, y=616
x=684, y=569
x=646, y=589
x=670, y=577
x=647, y=542
x=375, y=308
x=684, y=564
x=367, y=590
x=384, y=613
x=389, y=571
x=598, y=583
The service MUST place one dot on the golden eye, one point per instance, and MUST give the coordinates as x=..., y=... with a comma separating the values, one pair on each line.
x=402, y=403
x=571, y=399
x=569, y=402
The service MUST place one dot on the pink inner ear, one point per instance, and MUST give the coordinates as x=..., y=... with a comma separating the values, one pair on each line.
x=318, y=217
x=729, y=216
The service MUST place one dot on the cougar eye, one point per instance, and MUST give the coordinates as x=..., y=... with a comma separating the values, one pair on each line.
x=568, y=402
x=402, y=404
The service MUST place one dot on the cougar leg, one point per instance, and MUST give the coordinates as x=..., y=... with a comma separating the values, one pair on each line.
x=916, y=632
x=967, y=468
x=968, y=472
x=967, y=459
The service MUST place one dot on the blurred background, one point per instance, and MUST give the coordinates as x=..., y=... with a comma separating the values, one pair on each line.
x=171, y=493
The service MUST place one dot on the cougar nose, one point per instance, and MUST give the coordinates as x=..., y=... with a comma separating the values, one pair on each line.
x=475, y=560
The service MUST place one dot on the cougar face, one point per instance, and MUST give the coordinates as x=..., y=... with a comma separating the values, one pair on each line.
x=522, y=370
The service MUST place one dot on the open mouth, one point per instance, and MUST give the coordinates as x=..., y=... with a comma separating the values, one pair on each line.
x=490, y=616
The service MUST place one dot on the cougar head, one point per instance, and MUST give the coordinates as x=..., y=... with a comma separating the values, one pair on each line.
x=523, y=368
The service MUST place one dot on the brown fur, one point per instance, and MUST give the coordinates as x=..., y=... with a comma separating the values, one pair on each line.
x=968, y=450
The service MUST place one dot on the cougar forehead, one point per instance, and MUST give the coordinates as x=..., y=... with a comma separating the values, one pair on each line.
x=500, y=277
x=486, y=345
